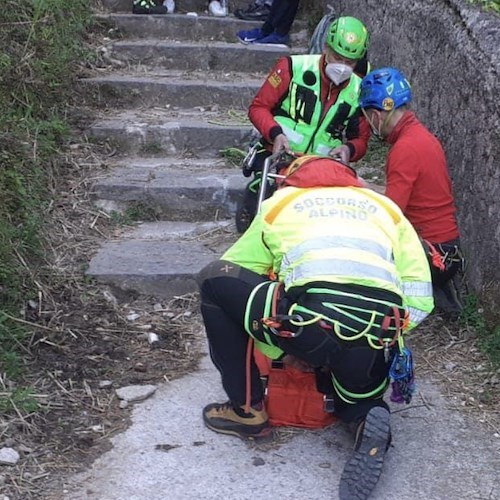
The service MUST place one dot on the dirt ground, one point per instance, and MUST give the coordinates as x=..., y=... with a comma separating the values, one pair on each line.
x=84, y=342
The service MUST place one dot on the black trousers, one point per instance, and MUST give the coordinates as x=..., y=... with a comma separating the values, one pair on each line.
x=225, y=289
x=281, y=17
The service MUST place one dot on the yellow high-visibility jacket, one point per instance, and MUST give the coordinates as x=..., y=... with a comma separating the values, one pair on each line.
x=345, y=235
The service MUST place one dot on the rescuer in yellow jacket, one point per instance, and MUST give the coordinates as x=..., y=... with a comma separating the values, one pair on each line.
x=349, y=278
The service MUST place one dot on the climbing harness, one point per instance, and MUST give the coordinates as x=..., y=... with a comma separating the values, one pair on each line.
x=277, y=323
x=386, y=341
x=451, y=255
x=380, y=333
x=435, y=256
x=443, y=256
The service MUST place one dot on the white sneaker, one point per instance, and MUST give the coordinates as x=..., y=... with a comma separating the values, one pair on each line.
x=170, y=5
x=216, y=9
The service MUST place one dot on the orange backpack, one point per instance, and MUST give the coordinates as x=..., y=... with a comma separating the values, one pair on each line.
x=292, y=398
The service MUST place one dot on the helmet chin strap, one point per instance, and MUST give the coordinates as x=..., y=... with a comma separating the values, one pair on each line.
x=378, y=133
x=384, y=123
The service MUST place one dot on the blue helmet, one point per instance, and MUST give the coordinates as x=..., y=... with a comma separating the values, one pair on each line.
x=385, y=89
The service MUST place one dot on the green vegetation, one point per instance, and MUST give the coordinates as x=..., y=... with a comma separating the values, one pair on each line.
x=40, y=47
x=152, y=148
x=234, y=156
x=488, y=334
x=488, y=5
x=136, y=211
x=21, y=399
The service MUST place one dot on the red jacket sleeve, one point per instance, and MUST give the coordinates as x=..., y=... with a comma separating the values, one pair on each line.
x=357, y=140
x=402, y=170
x=268, y=98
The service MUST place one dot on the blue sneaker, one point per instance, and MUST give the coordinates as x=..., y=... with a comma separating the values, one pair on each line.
x=274, y=39
x=250, y=36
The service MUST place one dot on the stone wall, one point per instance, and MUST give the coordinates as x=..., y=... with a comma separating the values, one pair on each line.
x=450, y=52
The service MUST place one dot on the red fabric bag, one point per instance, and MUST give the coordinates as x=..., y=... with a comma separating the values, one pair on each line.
x=291, y=396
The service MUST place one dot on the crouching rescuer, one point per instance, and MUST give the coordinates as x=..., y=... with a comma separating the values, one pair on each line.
x=349, y=278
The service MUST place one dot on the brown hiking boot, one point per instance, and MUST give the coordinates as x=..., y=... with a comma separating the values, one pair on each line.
x=224, y=418
x=362, y=471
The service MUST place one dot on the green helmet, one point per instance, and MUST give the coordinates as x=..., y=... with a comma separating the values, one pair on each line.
x=348, y=37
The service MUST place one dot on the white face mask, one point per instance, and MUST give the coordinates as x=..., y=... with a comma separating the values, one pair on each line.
x=338, y=72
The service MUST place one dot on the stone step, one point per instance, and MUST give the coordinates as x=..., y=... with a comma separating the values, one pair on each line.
x=181, y=5
x=183, y=27
x=126, y=90
x=187, y=190
x=160, y=259
x=197, y=134
x=201, y=56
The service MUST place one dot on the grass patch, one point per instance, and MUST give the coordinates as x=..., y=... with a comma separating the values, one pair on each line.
x=40, y=52
x=142, y=211
x=234, y=156
x=151, y=148
x=488, y=335
x=488, y=5
x=20, y=400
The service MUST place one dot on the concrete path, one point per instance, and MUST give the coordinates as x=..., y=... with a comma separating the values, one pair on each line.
x=169, y=160
x=437, y=454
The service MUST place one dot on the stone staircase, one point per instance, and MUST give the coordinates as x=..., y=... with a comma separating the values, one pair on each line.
x=174, y=96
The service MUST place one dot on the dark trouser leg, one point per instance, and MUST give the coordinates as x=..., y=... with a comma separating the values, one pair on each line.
x=371, y=374
x=225, y=289
x=225, y=292
x=359, y=370
x=281, y=17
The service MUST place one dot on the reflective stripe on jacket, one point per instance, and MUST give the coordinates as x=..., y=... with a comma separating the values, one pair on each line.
x=300, y=113
x=344, y=235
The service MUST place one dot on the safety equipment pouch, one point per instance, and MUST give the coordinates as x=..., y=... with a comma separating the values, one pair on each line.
x=402, y=376
x=292, y=398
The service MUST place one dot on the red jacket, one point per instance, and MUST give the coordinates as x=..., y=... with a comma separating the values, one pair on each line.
x=418, y=180
x=274, y=91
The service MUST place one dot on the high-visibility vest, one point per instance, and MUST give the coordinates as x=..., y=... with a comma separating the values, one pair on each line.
x=300, y=113
x=344, y=235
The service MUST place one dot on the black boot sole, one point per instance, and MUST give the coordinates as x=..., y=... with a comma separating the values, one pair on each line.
x=363, y=469
x=263, y=436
